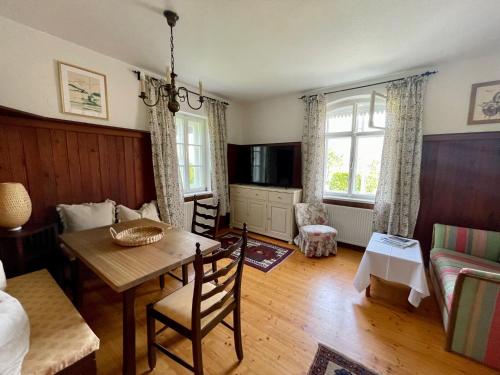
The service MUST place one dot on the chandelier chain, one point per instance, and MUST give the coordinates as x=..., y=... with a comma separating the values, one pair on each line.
x=172, y=48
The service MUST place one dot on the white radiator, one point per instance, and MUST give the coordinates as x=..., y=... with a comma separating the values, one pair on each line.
x=188, y=213
x=354, y=225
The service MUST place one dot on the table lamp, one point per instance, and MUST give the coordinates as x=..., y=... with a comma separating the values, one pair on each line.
x=15, y=205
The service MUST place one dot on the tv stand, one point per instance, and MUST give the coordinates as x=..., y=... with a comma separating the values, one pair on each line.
x=267, y=210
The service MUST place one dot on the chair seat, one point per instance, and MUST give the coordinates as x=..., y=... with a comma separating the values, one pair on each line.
x=178, y=305
x=317, y=240
x=319, y=232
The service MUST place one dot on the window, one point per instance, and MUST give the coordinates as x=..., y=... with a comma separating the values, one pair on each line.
x=192, y=152
x=354, y=147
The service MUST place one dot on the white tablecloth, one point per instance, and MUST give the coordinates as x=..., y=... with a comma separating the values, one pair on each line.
x=402, y=265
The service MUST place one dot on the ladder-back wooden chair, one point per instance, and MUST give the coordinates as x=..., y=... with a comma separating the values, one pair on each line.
x=207, y=228
x=195, y=309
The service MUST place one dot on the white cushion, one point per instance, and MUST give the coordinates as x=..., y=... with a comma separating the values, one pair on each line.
x=14, y=335
x=147, y=211
x=3, y=280
x=76, y=217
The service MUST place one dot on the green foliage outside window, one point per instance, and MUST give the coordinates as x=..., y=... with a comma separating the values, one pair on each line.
x=339, y=181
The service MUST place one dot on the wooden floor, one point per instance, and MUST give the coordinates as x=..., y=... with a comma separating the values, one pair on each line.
x=286, y=313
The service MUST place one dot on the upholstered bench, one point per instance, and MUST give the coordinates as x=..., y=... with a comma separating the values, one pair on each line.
x=60, y=340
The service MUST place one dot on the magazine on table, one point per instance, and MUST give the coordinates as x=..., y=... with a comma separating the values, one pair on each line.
x=401, y=242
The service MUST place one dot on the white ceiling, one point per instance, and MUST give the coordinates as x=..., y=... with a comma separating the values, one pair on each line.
x=251, y=49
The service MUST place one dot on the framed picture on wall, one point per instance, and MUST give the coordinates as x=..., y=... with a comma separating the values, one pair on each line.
x=83, y=92
x=484, y=107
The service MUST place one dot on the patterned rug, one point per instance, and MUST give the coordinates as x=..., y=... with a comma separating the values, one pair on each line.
x=261, y=255
x=329, y=362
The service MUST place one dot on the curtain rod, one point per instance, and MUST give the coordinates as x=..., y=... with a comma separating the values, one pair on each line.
x=426, y=74
x=138, y=73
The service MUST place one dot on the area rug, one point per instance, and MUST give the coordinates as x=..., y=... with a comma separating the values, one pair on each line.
x=330, y=362
x=261, y=255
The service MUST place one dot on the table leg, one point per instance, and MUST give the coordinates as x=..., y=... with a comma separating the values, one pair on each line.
x=367, y=291
x=77, y=282
x=20, y=256
x=129, y=332
x=411, y=308
x=185, y=274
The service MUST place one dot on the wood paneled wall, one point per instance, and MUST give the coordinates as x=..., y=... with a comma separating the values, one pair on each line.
x=70, y=162
x=460, y=183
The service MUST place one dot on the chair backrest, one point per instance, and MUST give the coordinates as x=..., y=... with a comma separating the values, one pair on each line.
x=200, y=213
x=310, y=214
x=231, y=283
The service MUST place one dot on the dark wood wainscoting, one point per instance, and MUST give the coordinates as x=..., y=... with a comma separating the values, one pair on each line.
x=460, y=183
x=71, y=162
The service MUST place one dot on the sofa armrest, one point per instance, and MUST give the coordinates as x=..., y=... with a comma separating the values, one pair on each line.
x=474, y=327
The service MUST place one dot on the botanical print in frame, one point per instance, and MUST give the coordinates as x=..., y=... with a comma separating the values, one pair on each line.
x=484, y=107
x=83, y=92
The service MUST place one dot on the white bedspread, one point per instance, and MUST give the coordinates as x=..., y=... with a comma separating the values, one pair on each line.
x=14, y=335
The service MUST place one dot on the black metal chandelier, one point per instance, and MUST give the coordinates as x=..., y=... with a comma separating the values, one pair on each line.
x=169, y=91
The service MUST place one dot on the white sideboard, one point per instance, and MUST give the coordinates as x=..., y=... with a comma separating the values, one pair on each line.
x=266, y=210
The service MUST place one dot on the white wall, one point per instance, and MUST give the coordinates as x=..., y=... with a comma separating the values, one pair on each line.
x=29, y=79
x=280, y=119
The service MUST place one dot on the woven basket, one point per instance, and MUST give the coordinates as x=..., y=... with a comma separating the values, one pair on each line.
x=137, y=236
x=15, y=205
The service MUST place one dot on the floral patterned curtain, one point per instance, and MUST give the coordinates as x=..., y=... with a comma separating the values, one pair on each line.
x=165, y=164
x=398, y=195
x=313, y=148
x=217, y=133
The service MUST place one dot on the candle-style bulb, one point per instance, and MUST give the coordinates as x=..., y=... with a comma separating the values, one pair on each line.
x=200, y=86
x=168, y=73
x=142, y=83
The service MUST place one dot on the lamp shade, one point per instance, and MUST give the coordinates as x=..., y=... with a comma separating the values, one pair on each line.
x=15, y=205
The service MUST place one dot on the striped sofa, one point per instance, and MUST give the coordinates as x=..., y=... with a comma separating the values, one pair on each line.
x=465, y=272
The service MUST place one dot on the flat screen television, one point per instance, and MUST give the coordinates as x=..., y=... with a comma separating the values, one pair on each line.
x=271, y=165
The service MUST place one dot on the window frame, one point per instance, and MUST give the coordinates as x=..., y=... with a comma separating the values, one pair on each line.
x=354, y=136
x=185, y=117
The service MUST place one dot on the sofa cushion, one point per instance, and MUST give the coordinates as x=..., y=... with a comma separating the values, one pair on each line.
x=448, y=263
x=147, y=211
x=76, y=217
x=59, y=335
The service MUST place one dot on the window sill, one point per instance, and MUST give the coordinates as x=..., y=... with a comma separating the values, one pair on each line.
x=349, y=202
x=189, y=197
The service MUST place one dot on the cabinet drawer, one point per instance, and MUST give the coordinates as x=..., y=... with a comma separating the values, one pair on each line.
x=275, y=196
x=255, y=194
x=236, y=192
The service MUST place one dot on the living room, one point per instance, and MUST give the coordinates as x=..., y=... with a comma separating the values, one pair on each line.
x=303, y=142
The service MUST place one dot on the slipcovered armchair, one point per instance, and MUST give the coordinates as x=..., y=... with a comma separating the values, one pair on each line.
x=315, y=238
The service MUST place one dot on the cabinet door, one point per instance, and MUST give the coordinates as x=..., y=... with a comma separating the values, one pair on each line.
x=256, y=216
x=280, y=220
x=238, y=212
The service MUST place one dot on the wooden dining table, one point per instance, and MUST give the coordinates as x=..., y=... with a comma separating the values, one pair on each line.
x=125, y=268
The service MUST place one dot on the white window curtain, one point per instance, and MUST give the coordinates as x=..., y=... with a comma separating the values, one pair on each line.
x=165, y=164
x=398, y=195
x=313, y=148
x=217, y=134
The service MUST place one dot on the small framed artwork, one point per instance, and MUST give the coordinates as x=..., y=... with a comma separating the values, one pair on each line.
x=484, y=107
x=83, y=92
